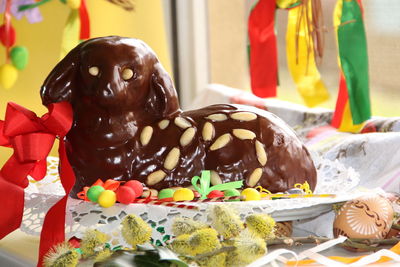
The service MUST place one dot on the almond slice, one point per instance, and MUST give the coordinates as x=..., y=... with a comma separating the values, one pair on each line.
x=155, y=177
x=261, y=153
x=182, y=123
x=187, y=136
x=243, y=116
x=163, y=124
x=172, y=159
x=145, y=135
x=254, y=177
x=221, y=141
x=217, y=117
x=244, y=134
x=208, y=131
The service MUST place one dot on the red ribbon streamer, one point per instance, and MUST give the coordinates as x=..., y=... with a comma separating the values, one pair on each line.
x=32, y=138
x=341, y=101
x=263, y=49
x=85, y=21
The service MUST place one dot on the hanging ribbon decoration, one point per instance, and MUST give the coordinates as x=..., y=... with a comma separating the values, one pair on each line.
x=263, y=49
x=16, y=57
x=32, y=138
x=77, y=27
x=353, y=104
x=300, y=53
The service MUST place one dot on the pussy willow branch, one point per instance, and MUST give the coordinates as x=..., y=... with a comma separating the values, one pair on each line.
x=396, y=226
x=290, y=241
x=364, y=244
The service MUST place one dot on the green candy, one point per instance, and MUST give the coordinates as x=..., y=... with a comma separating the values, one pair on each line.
x=166, y=193
x=19, y=57
x=94, y=192
x=232, y=193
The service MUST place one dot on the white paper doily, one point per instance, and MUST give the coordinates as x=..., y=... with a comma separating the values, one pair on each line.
x=333, y=177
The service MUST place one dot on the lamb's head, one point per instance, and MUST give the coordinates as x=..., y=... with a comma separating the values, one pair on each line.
x=114, y=74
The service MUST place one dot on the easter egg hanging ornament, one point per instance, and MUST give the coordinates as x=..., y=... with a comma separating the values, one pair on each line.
x=16, y=57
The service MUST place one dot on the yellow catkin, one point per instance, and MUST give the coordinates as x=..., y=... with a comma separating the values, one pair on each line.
x=62, y=255
x=183, y=225
x=204, y=241
x=226, y=221
x=249, y=247
x=91, y=241
x=262, y=225
x=135, y=231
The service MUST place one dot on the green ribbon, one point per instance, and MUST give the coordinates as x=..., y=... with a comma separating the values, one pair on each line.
x=353, y=56
x=30, y=6
x=204, y=187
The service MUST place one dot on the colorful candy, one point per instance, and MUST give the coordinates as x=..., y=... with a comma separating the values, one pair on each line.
x=183, y=194
x=94, y=192
x=107, y=198
x=136, y=186
x=166, y=193
x=232, y=193
x=215, y=193
x=125, y=194
x=251, y=194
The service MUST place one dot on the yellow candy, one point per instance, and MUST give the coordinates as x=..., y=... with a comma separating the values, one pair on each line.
x=250, y=194
x=107, y=198
x=8, y=76
x=183, y=194
x=74, y=4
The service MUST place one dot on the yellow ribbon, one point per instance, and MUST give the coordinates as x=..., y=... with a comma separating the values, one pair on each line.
x=301, y=63
x=70, y=37
x=305, y=187
x=263, y=192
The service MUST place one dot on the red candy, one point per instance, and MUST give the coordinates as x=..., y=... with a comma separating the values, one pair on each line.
x=125, y=194
x=136, y=186
x=215, y=193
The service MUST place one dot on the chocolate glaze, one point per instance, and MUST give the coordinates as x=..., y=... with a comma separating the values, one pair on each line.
x=110, y=114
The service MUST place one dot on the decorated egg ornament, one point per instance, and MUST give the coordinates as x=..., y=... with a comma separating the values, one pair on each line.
x=364, y=217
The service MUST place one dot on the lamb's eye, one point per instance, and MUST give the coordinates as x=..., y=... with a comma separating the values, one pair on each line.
x=94, y=71
x=127, y=74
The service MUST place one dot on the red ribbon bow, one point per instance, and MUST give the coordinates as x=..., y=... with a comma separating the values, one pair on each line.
x=32, y=138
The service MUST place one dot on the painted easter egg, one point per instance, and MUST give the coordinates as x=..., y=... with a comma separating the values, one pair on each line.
x=7, y=40
x=19, y=57
x=8, y=76
x=364, y=217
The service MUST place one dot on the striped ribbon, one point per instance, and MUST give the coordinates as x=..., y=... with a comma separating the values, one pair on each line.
x=353, y=103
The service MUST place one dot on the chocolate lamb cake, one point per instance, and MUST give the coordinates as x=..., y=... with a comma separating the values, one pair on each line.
x=128, y=125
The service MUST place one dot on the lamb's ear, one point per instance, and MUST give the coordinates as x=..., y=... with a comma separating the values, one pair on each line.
x=62, y=80
x=162, y=98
